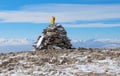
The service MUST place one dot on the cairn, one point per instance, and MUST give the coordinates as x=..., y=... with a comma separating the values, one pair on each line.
x=53, y=37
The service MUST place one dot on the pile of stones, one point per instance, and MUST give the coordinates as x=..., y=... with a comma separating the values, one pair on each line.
x=53, y=37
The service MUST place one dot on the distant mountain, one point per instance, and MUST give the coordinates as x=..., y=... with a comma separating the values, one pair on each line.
x=15, y=45
x=15, y=48
x=9, y=42
x=96, y=43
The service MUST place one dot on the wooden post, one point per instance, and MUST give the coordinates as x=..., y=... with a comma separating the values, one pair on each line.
x=52, y=21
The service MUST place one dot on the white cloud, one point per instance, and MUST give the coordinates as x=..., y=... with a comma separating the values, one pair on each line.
x=90, y=25
x=108, y=40
x=63, y=12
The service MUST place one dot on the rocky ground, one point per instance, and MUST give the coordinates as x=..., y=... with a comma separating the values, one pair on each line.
x=74, y=62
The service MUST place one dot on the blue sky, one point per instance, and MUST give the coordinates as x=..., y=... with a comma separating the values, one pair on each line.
x=83, y=19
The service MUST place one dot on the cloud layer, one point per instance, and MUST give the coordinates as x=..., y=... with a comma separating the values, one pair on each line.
x=64, y=13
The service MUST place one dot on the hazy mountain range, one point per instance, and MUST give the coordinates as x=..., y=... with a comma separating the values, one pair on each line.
x=11, y=45
x=96, y=43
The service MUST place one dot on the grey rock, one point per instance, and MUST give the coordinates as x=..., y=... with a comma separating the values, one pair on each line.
x=53, y=37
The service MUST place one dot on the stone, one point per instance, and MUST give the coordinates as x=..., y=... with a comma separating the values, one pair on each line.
x=53, y=37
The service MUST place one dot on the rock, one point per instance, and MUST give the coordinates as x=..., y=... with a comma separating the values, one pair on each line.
x=62, y=62
x=53, y=37
x=5, y=63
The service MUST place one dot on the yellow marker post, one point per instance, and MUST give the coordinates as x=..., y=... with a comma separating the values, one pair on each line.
x=52, y=21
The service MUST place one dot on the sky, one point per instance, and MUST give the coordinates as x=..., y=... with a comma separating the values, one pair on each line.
x=83, y=19
x=87, y=19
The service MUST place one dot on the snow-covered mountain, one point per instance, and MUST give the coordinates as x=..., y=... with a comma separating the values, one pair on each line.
x=96, y=43
x=14, y=45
